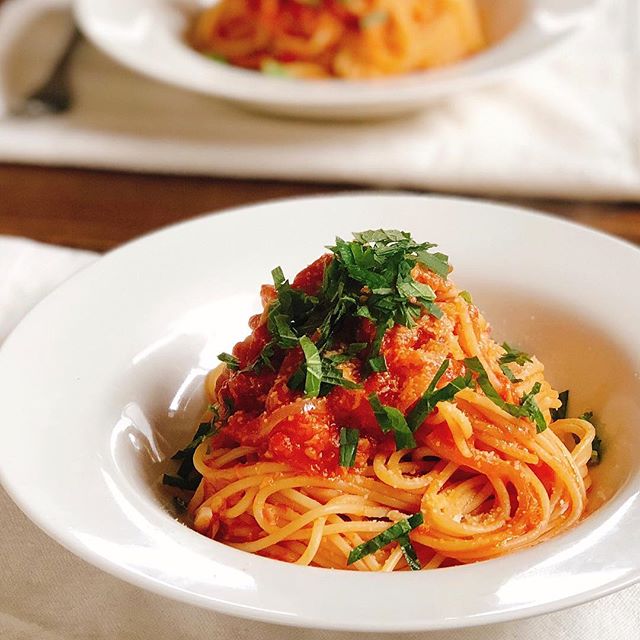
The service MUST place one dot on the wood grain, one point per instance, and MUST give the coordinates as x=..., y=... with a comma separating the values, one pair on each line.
x=99, y=210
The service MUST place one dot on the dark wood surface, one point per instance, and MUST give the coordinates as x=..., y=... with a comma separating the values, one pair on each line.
x=99, y=210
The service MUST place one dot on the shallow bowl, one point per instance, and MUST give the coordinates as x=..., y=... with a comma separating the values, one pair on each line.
x=149, y=37
x=103, y=381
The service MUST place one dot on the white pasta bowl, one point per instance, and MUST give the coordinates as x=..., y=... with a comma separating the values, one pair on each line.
x=103, y=381
x=148, y=36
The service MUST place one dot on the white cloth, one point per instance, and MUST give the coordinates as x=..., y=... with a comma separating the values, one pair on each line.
x=46, y=593
x=566, y=128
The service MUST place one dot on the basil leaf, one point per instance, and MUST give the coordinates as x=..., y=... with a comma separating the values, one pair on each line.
x=281, y=331
x=431, y=397
x=510, y=375
x=528, y=408
x=231, y=361
x=596, y=452
x=561, y=412
x=466, y=296
x=474, y=364
x=514, y=355
x=391, y=419
x=217, y=57
x=531, y=408
x=296, y=381
x=596, y=446
x=377, y=364
x=204, y=430
x=178, y=482
x=332, y=376
x=348, y=446
x=356, y=347
x=179, y=504
x=372, y=19
x=436, y=262
x=386, y=537
x=409, y=553
x=381, y=235
x=278, y=277
x=274, y=68
x=368, y=277
x=417, y=290
x=313, y=377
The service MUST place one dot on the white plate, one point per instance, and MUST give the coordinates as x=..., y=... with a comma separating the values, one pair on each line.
x=103, y=381
x=147, y=35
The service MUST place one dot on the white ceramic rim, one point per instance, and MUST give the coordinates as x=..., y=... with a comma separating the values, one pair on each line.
x=546, y=25
x=606, y=542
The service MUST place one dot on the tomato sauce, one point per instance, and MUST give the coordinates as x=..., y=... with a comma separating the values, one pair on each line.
x=309, y=440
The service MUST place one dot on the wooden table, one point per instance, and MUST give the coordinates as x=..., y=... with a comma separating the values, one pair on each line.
x=99, y=210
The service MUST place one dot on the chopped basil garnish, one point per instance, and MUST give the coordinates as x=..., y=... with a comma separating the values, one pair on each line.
x=596, y=451
x=393, y=533
x=187, y=477
x=391, y=419
x=466, y=296
x=372, y=19
x=596, y=445
x=369, y=277
x=179, y=504
x=231, y=361
x=431, y=397
x=377, y=364
x=205, y=429
x=217, y=57
x=348, y=446
x=512, y=355
x=274, y=68
x=531, y=409
x=409, y=553
x=437, y=262
x=527, y=409
x=313, y=377
x=561, y=412
x=178, y=482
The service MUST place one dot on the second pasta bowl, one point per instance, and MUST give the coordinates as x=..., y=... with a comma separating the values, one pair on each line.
x=150, y=37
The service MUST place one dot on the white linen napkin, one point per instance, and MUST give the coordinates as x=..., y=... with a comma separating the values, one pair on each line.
x=48, y=594
x=567, y=127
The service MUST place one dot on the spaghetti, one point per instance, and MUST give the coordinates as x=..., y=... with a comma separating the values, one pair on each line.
x=370, y=422
x=341, y=38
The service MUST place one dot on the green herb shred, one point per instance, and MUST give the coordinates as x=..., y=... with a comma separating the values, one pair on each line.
x=431, y=396
x=527, y=409
x=373, y=19
x=596, y=445
x=393, y=533
x=231, y=361
x=368, y=277
x=179, y=505
x=348, y=446
x=391, y=419
x=561, y=412
x=313, y=377
x=512, y=355
x=409, y=553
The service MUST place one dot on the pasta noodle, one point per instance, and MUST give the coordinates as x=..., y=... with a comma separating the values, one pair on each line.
x=425, y=444
x=342, y=38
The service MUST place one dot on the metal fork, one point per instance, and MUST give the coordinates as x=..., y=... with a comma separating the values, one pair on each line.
x=54, y=95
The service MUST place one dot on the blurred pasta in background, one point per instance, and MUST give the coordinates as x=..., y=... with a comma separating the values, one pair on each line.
x=339, y=38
